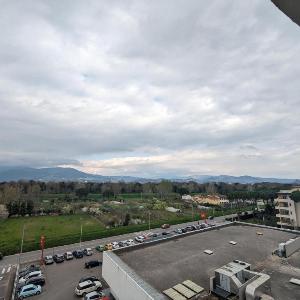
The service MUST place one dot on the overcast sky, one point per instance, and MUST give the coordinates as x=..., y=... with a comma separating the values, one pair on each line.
x=150, y=88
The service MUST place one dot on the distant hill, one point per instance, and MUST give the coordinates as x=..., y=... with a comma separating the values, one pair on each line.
x=58, y=174
x=70, y=174
x=239, y=179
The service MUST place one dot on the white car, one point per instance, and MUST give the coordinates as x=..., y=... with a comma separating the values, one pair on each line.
x=86, y=287
x=68, y=255
x=94, y=296
x=30, y=275
x=88, y=251
x=130, y=242
x=140, y=239
x=115, y=245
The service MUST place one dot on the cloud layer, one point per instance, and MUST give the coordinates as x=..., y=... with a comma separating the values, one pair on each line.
x=150, y=88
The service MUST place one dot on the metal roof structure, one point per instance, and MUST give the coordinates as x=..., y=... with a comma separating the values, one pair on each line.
x=290, y=7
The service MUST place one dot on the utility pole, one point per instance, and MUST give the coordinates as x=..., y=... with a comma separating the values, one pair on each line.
x=192, y=212
x=80, y=233
x=149, y=216
x=22, y=242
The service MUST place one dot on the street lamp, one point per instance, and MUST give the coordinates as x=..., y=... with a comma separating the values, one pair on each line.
x=149, y=216
x=22, y=242
x=80, y=233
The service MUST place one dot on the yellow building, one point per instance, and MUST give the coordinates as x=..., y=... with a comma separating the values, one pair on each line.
x=210, y=199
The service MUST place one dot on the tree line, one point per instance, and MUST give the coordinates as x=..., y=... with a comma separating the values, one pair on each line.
x=21, y=197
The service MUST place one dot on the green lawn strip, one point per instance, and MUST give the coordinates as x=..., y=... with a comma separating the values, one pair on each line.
x=62, y=230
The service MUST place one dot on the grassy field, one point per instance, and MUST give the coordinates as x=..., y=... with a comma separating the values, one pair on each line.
x=55, y=229
x=65, y=229
x=61, y=230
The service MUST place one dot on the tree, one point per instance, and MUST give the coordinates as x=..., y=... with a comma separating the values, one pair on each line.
x=81, y=193
x=296, y=196
x=127, y=220
x=30, y=207
x=164, y=187
x=22, y=210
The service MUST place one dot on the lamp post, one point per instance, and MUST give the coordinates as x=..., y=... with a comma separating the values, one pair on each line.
x=22, y=242
x=149, y=217
x=192, y=211
x=80, y=233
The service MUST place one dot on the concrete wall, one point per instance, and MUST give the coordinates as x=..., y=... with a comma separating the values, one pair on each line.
x=125, y=284
x=297, y=209
x=292, y=246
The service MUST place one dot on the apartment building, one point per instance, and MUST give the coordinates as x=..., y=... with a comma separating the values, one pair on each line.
x=287, y=210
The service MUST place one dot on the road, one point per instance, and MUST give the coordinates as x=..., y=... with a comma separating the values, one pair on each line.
x=35, y=255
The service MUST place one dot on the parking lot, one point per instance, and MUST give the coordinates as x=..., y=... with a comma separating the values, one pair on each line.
x=62, y=278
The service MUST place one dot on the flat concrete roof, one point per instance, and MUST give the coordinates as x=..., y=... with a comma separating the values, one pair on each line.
x=168, y=263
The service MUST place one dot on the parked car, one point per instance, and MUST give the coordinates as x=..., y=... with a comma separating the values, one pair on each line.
x=115, y=245
x=211, y=217
x=68, y=255
x=88, y=251
x=130, y=242
x=92, y=264
x=178, y=231
x=108, y=246
x=140, y=239
x=86, y=287
x=48, y=260
x=58, y=258
x=183, y=230
x=40, y=280
x=165, y=226
x=189, y=228
x=166, y=233
x=123, y=243
x=29, y=290
x=78, y=253
x=30, y=275
x=94, y=296
x=86, y=278
x=100, y=248
x=29, y=269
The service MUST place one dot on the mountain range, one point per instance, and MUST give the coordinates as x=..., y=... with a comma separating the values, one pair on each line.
x=71, y=174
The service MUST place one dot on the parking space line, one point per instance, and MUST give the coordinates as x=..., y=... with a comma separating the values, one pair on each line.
x=3, y=271
x=8, y=270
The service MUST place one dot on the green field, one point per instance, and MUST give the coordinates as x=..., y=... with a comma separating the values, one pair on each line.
x=65, y=229
x=55, y=229
x=62, y=230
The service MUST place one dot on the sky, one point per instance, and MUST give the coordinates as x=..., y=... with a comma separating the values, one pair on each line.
x=150, y=88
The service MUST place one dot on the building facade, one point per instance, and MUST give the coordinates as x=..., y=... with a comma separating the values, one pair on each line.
x=211, y=199
x=287, y=210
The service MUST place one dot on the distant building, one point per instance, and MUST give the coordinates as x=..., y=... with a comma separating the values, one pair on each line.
x=260, y=205
x=287, y=210
x=211, y=199
x=3, y=212
x=172, y=209
x=187, y=197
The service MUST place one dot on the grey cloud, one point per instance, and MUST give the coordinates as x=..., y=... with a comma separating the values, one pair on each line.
x=94, y=79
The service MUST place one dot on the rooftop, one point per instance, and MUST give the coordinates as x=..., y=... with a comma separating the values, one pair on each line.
x=168, y=263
